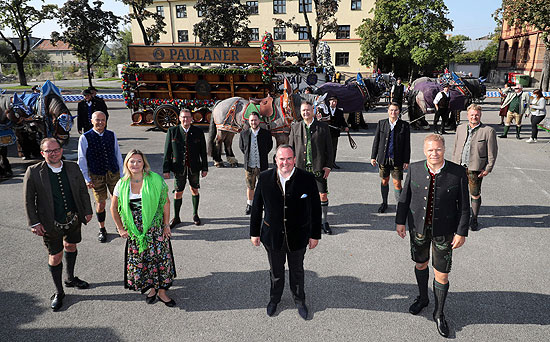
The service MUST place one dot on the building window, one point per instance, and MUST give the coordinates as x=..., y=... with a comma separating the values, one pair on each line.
x=505, y=53
x=526, y=47
x=342, y=59
x=183, y=36
x=279, y=6
x=306, y=4
x=254, y=34
x=160, y=11
x=355, y=5
x=342, y=32
x=181, y=11
x=302, y=33
x=252, y=7
x=279, y=33
x=515, y=46
x=304, y=57
x=200, y=13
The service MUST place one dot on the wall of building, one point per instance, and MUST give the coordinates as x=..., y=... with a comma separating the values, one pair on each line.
x=263, y=21
x=520, y=50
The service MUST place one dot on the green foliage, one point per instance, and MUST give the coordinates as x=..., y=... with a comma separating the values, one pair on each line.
x=20, y=18
x=140, y=13
x=324, y=19
x=120, y=46
x=224, y=23
x=87, y=29
x=406, y=29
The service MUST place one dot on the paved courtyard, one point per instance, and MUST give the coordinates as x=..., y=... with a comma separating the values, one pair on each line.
x=359, y=282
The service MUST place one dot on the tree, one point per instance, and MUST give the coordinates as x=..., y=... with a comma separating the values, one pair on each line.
x=325, y=22
x=224, y=23
x=87, y=30
x=120, y=46
x=535, y=14
x=457, y=44
x=140, y=13
x=20, y=18
x=411, y=31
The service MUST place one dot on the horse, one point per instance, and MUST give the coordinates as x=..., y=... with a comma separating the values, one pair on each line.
x=420, y=102
x=230, y=116
x=50, y=118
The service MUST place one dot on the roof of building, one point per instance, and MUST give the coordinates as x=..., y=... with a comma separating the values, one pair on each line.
x=476, y=45
x=46, y=44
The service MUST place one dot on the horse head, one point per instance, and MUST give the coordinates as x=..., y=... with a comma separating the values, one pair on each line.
x=58, y=117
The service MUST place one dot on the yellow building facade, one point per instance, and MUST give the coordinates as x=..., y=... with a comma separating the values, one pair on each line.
x=180, y=16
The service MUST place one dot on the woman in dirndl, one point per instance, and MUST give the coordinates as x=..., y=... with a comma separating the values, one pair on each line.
x=141, y=210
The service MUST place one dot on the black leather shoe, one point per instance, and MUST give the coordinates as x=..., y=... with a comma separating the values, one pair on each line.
x=336, y=166
x=474, y=226
x=57, y=301
x=196, y=220
x=418, y=305
x=302, y=311
x=271, y=308
x=174, y=222
x=442, y=326
x=248, y=209
x=75, y=282
x=171, y=303
x=382, y=208
x=503, y=136
x=326, y=229
x=102, y=236
x=151, y=300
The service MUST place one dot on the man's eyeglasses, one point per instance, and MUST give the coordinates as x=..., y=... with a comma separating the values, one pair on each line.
x=56, y=150
x=186, y=117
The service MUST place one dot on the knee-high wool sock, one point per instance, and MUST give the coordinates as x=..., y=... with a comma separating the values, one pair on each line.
x=476, y=203
x=397, y=193
x=70, y=259
x=57, y=272
x=440, y=294
x=324, y=211
x=384, y=189
x=195, y=201
x=422, y=277
x=177, y=207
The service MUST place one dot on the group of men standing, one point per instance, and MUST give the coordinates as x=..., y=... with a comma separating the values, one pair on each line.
x=288, y=204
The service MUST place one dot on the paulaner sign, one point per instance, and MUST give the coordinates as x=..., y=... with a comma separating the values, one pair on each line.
x=191, y=54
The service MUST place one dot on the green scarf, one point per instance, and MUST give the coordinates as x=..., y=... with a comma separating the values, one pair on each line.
x=153, y=197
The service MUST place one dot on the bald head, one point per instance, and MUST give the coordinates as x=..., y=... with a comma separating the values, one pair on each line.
x=99, y=121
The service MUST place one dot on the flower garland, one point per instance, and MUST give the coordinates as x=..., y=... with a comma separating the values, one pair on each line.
x=180, y=103
x=268, y=70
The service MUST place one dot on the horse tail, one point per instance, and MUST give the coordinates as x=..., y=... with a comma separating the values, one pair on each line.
x=212, y=132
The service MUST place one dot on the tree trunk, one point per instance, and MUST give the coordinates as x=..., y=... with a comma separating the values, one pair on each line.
x=21, y=71
x=313, y=48
x=545, y=76
x=89, y=69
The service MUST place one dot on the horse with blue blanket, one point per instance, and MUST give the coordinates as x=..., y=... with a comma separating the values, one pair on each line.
x=33, y=117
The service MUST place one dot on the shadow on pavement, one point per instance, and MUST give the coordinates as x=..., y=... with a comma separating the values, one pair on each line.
x=19, y=309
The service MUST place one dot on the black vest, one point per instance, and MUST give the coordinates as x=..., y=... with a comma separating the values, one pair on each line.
x=101, y=152
x=444, y=102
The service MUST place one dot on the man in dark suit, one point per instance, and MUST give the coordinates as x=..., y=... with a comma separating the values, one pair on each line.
x=391, y=151
x=185, y=156
x=435, y=203
x=476, y=150
x=442, y=103
x=255, y=143
x=100, y=101
x=313, y=146
x=57, y=203
x=287, y=197
x=336, y=123
x=85, y=109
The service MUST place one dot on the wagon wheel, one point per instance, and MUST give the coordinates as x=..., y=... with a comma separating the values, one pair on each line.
x=166, y=116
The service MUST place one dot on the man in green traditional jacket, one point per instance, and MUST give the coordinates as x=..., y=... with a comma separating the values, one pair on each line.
x=185, y=156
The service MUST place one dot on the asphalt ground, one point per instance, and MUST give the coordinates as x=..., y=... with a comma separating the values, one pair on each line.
x=359, y=282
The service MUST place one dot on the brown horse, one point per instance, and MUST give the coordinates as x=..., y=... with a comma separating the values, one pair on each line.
x=229, y=117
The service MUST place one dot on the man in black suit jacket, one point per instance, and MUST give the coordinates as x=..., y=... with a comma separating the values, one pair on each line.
x=185, y=156
x=86, y=108
x=100, y=100
x=435, y=204
x=391, y=151
x=288, y=199
x=57, y=203
x=255, y=143
x=311, y=141
x=336, y=124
